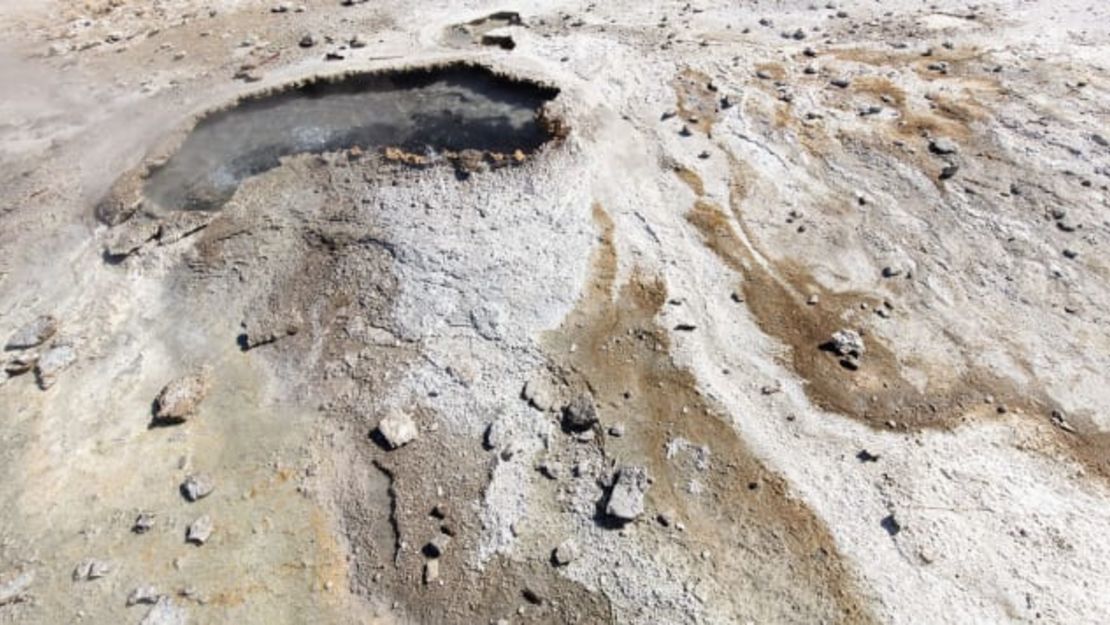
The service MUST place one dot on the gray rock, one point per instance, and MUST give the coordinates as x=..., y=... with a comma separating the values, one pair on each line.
x=397, y=428
x=580, y=414
x=357, y=42
x=33, y=334
x=143, y=523
x=197, y=486
x=626, y=499
x=307, y=40
x=179, y=399
x=14, y=586
x=90, y=569
x=565, y=553
x=166, y=612
x=199, y=531
x=52, y=362
x=847, y=343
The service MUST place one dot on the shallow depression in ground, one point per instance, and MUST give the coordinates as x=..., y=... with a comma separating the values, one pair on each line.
x=452, y=109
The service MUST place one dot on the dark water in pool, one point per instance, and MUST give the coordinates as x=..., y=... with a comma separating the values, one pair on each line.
x=452, y=108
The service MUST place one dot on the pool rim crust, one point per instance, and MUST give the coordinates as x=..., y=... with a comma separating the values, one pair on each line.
x=126, y=198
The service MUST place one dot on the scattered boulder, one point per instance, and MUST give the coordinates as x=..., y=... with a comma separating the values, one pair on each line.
x=197, y=486
x=539, y=392
x=52, y=362
x=33, y=334
x=397, y=428
x=179, y=399
x=199, y=531
x=891, y=525
x=14, y=586
x=431, y=571
x=626, y=498
x=143, y=523
x=90, y=569
x=866, y=456
x=565, y=553
x=580, y=414
x=166, y=612
x=307, y=40
x=847, y=343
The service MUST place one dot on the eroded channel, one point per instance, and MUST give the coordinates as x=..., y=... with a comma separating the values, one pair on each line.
x=442, y=109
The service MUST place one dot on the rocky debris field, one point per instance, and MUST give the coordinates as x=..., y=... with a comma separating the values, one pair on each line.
x=554, y=312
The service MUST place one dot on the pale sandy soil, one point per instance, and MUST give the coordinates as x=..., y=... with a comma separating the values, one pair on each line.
x=727, y=195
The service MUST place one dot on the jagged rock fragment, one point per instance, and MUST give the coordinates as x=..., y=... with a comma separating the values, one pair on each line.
x=199, y=531
x=197, y=486
x=90, y=569
x=397, y=428
x=626, y=499
x=580, y=414
x=565, y=553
